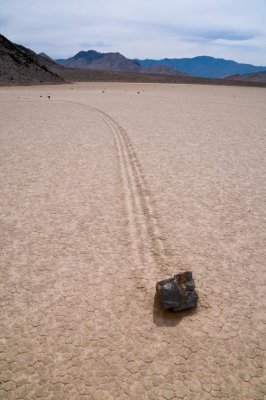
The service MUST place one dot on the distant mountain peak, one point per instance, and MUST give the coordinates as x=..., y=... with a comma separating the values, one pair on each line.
x=87, y=54
x=92, y=59
x=45, y=56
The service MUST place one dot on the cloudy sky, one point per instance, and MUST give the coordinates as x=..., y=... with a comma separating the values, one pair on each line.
x=231, y=29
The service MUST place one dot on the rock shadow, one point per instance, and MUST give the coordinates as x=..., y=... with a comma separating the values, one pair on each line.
x=166, y=317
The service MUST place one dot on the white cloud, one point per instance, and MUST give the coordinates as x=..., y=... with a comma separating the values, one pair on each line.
x=140, y=28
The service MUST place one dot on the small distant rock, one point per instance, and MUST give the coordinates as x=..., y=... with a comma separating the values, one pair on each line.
x=177, y=293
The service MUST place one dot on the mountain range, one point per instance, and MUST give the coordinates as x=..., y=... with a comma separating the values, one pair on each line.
x=20, y=65
x=202, y=66
x=92, y=59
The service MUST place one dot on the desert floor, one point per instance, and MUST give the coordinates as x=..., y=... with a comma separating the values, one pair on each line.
x=106, y=189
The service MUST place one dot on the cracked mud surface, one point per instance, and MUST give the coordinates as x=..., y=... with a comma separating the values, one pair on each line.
x=103, y=195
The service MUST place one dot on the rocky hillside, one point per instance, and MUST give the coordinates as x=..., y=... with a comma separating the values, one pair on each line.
x=49, y=63
x=100, y=61
x=19, y=65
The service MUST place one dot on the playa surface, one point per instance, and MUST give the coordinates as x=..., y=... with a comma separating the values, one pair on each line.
x=106, y=189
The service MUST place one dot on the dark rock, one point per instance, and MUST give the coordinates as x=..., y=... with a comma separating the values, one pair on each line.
x=177, y=293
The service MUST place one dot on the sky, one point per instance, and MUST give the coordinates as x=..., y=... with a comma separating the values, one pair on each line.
x=230, y=29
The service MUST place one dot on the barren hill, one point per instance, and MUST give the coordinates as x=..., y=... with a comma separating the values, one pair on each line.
x=21, y=65
x=101, y=61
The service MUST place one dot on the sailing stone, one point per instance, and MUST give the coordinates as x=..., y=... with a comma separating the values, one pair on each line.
x=177, y=293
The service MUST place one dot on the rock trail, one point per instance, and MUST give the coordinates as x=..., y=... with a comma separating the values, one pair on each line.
x=147, y=247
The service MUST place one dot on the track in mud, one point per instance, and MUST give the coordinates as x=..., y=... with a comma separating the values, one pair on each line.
x=144, y=232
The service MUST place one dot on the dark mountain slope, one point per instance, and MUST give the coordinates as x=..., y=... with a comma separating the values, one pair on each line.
x=42, y=59
x=49, y=63
x=21, y=65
